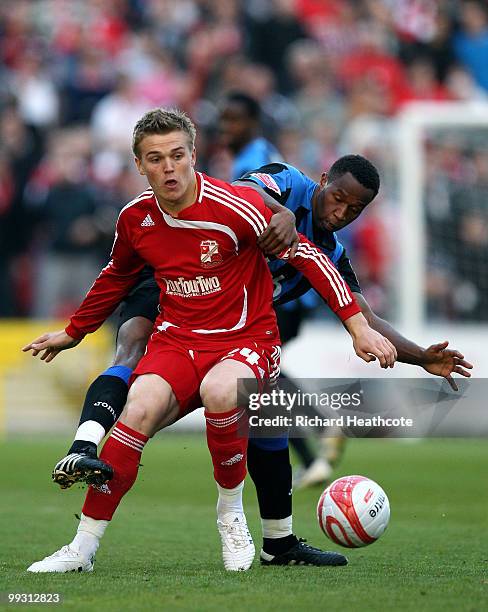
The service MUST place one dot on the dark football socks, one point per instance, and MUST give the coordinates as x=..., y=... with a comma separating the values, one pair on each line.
x=104, y=402
x=271, y=472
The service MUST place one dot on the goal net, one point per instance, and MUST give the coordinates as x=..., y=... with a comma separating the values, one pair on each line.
x=443, y=180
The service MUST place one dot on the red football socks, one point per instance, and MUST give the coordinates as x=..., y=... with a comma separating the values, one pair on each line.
x=227, y=441
x=123, y=452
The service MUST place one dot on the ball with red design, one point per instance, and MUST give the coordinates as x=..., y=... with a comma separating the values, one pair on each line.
x=353, y=511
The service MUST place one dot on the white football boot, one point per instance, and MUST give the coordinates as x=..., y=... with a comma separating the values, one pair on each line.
x=237, y=545
x=64, y=560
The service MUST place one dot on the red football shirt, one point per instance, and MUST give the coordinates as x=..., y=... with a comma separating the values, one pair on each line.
x=215, y=283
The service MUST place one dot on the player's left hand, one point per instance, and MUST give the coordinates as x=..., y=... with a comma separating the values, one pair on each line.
x=370, y=344
x=280, y=234
x=441, y=361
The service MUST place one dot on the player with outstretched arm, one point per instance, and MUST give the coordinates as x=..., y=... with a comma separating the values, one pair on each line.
x=321, y=210
x=216, y=326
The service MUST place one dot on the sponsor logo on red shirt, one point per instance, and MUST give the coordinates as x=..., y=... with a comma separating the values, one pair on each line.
x=268, y=180
x=193, y=287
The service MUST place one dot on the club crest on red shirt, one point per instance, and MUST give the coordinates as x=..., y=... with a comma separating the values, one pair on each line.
x=209, y=253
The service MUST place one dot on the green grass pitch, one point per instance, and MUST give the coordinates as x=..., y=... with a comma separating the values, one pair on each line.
x=162, y=551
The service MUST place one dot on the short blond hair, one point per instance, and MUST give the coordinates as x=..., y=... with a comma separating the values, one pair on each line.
x=163, y=121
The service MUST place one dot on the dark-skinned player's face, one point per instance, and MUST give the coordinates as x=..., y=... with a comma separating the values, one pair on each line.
x=235, y=126
x=339, y=202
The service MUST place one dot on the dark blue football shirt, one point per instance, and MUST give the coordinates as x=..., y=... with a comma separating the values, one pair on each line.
x=293, y=189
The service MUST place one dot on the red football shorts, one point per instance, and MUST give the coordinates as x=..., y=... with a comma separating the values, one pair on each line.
x=184, y=369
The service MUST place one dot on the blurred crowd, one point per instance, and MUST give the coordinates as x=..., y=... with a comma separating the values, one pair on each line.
x=330, y=75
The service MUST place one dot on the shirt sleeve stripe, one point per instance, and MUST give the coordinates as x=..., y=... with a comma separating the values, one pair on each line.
x=328, y=264
x=342, y=297
x=244, y=205
x=342, y=284
x=236, y=210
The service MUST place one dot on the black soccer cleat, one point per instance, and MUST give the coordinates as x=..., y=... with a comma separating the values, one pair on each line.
x=85, y=467
x=303, y=554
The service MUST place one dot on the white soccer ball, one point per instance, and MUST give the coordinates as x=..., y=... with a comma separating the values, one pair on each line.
x=353, y=511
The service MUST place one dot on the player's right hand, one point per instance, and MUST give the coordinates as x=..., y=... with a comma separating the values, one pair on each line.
x=50, y=344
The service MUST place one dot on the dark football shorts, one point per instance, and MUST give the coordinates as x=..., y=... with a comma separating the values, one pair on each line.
x=142, y=301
